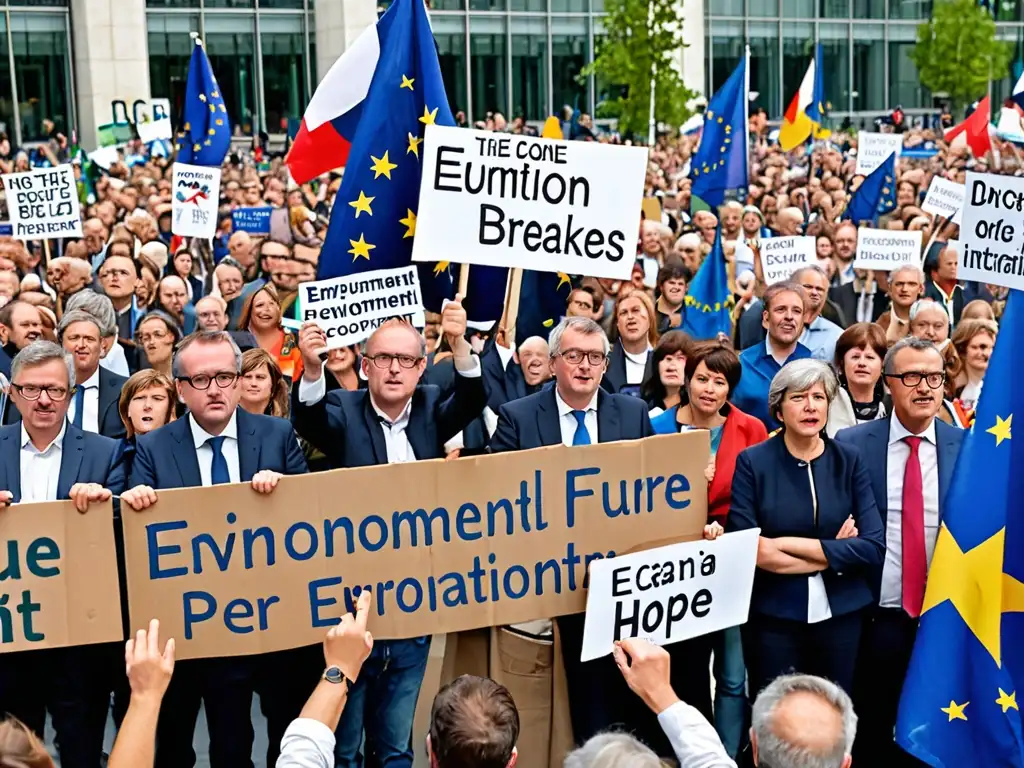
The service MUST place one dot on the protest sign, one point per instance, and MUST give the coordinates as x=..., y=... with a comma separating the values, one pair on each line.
x=992, y=232
x=519, y=201
x=350, y=308
x=43, y=203
x=444, y=546
x=873, y=149
x=670, y=593
x=60, y=583
x=945, y=198
x=255, y=221
x=196, y=195
x=781, y=256
x=884, y=250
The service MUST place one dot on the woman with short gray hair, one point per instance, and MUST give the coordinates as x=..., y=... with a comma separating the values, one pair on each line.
x=612, y=750
x=821, y=536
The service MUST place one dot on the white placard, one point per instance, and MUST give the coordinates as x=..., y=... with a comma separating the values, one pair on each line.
x=670, y=593
x=196, y=196
x=43, y=203
x=155, y=130
x=350, y=308
x=517, y=201
x=884, y=250
x=782, y=256
x=874, y=148
x=945, y=198
x=991, y=246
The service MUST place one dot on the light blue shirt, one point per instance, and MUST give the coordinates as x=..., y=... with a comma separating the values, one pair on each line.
x=820, y=338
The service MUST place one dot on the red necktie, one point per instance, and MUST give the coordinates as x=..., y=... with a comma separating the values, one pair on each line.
x=915, y=557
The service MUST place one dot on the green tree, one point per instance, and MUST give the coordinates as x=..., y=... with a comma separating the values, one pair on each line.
x=957, y=52
x=641, y=34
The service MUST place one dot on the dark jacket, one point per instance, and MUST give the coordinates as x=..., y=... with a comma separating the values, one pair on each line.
x=846, y=297
x=614, y=380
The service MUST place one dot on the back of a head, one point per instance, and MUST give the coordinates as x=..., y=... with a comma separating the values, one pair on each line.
x=20, y=748
x=612, y=750
x=474, y=723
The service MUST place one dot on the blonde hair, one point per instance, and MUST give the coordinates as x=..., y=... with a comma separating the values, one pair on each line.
x=139, y=382
x=20, y=747
x=652, y=317
x=254, y=359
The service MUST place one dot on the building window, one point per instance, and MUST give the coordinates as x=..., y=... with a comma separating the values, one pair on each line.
x=835, y=63
x=172, y=3
x=905, y=87
x=6, y=87
x=41, y=66
x=726, y=49
x=797, y=52
x=228, y=3
x=764, y=65
x=570, y=53
x=487, y=58
x=529, y=67
x=283, y=48
x=910, y=9
x=170, y=48
x=868, y=67
x=450, y=36
x=231, y=47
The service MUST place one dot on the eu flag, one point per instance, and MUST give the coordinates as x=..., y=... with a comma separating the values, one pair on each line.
x=709, y=301
x=720, y=162
x=543, y=297
x=959, y=705
x=875, y=195
x=373, y=221
x=205, y=135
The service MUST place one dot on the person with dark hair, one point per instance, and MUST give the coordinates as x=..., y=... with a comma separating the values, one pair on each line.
x=671, y=286
x=664, y=389
x=858, y=365
x=474, y=723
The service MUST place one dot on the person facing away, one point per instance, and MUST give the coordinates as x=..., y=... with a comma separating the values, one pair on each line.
x=473, y=722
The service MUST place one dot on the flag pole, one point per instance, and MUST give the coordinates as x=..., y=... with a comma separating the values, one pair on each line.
x=651, y=124
x=464, y=280
x=937, y=226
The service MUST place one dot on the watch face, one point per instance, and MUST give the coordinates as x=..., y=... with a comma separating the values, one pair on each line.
x=333, y=675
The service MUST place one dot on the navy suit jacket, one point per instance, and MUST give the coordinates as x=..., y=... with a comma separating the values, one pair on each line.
x=166, y=457
x=109, y=420
x=871, y=439
x=503, y=383
x=346, y=429
x=85, y=458
x=614, y=379
x=533, y=422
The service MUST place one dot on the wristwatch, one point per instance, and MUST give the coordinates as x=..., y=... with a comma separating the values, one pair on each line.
x=336, y=676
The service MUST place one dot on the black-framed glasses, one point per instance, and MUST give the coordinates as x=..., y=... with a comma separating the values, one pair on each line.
x=575, y=357
x=33, y=392
x=383, y=360
x=202, y=381
x=912, y=379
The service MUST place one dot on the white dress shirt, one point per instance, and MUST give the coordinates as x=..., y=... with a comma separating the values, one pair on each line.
x=307, y=743
x=568, y=422
x=693, y=738
x=896, y=465
x=229, y=448
x=636, y=365
x=115, y=361
x=90, y=404
x=40, y=470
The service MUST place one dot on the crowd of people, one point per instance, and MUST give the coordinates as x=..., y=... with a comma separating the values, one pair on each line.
x=139, y=362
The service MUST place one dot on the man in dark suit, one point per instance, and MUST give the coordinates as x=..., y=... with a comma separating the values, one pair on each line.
x=942, y=285
x=513, y=374
x=577, y=411
x=629, y=362
x=394, y=420
x=44, y=458
x=910, y=458
x=218, y=442
x=861, y=300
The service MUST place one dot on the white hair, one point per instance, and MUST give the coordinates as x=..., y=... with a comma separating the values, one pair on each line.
x=582, y=325
x=612, y=750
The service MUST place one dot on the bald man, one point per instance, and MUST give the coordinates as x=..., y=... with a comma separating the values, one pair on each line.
x=68, y=275
x=240, y=248
x=789, y=222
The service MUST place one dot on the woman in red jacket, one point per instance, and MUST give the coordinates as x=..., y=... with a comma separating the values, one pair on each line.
x=712, y=373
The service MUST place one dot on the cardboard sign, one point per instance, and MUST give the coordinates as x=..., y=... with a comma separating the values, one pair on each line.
x=350, y=308
x=43, y=203
x=255, y=221
x=945, y=198
x=444, y=546
x=992, y=232
x=196, y=196
x=59, y=578
x=670, y=593
x=873, y=149
x=885, y=250
x=519, y=201
x=782, y=256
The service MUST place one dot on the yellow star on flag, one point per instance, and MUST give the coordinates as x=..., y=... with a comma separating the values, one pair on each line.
x=213, y=108
x=728, y=129
x=222, y=108
x=202, y=97
x=414, y=145
x=407, y=82
x=956, y=711
x=187, y=127
x=214, y=94
x=218, y=121
x=208, y=143
x=1007, y=701
x=196, y=147
x=362, y=205
x=410, y=222
x=382, y=167
x=563, y=278
x=440, y=267
x=428, y=116
x=212, y=131
x=1001, y=431
x=361, y=248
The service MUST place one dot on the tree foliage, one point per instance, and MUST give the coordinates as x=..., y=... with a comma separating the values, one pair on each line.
x=957, y=51
x=636, y=40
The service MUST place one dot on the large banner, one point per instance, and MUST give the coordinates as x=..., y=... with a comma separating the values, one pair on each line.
x=59, y=577
x=517, y=201
x=443, y=546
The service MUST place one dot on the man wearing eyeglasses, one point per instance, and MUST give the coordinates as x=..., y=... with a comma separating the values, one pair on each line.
x=45, y=458
x=218, y=442
x=910, y=457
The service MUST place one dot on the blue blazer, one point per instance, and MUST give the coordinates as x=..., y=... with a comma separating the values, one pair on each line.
x=166, y=457
x=771, y=490
x=871, y=439
x=533, y=422
x=85, y=458
x=346, y=429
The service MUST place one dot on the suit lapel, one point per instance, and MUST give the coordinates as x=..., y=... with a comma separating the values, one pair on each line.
x=248, y=446
x=878, y=465
x=419, y=432
x=185, y=456
x=109, y=392
x=946, y=452
x=609, y=429
x=10, y=462
x=70, y=460
x=380, y=449
x=548, y=419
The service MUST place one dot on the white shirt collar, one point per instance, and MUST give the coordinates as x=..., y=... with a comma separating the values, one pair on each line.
x=93, y=381
x=403, y=417
x=564, y=408
x=897, y=431
x=26, y=441
x=640, y=359
x=200, y=435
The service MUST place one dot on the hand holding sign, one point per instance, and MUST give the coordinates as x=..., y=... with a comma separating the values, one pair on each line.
x=84, y=493
x=453, y=326
x=348, y=643
x=312, y=343
x=647, y=669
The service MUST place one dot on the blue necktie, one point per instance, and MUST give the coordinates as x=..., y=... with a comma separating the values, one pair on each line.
x=219, y=468
x=79, y=406
x=582, y=436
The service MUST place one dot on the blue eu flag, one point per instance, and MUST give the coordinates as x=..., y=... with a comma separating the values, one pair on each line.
x=875, y=195
x=709, y=301
x=205, y=135
x=959, y=705
x=373, y=221
x=720, y=162
x=542, y=299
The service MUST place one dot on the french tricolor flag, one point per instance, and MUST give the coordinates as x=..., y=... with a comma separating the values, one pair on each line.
x=330, y=121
